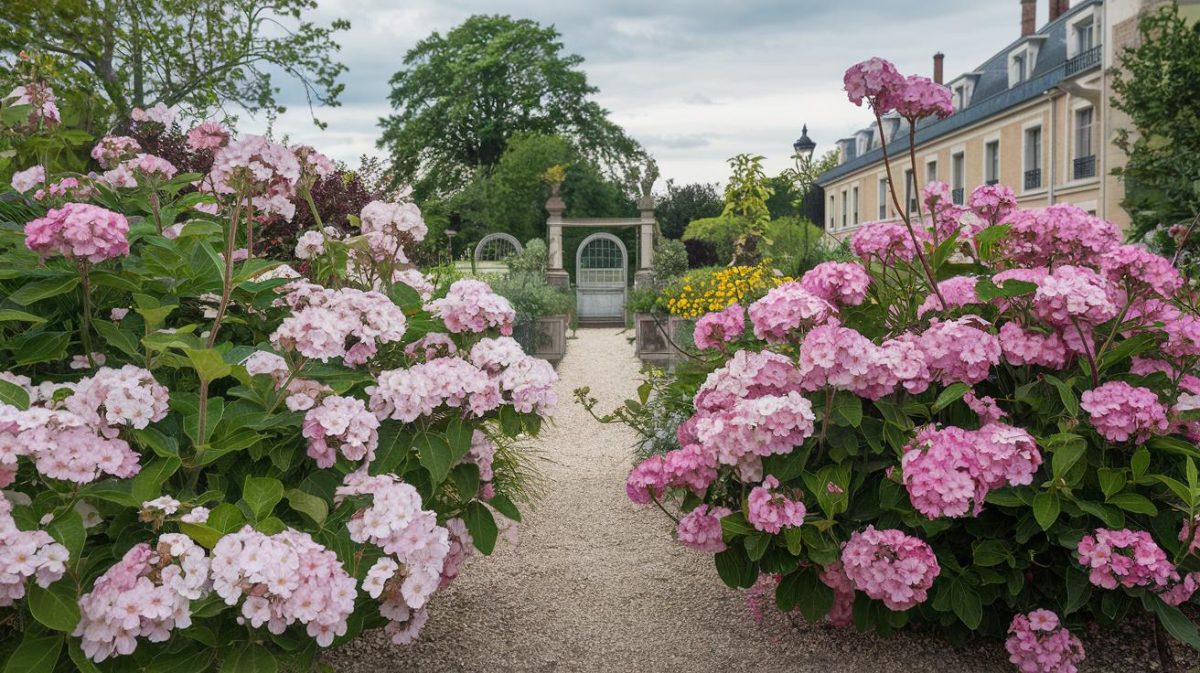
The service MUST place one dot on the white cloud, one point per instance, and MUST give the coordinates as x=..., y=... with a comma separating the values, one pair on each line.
x=695, y=81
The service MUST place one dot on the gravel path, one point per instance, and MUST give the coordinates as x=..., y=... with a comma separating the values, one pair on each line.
x=598, y=584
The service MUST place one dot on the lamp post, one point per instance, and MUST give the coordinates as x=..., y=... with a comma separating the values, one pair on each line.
x=803, y=152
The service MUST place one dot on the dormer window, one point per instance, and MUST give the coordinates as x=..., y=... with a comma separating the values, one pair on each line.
x=1020, y=64
x=961, y=91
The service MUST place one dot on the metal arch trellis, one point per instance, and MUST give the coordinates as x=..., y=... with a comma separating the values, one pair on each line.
x=496, y=247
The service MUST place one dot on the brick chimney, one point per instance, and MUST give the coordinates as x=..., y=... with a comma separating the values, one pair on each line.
x=1058, y=8
x=1029, y=16
x=937, y=66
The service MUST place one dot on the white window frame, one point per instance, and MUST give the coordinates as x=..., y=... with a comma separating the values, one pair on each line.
x=883, y=196
x=995, y=138
x=1083, y=16
x=845, y=209
x=854, y=191
x=1041, y=159
x=1078, y=107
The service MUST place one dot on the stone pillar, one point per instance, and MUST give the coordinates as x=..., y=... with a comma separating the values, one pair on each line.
x=644, y=275
x=555, y=273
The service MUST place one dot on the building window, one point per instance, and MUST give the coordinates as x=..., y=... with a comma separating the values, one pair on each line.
x=960, y=97
x=855, y=192
x=1033, y=158
x=1085, y=36
x=991, y=162
x=931, y=172
x=957, y=177
x=1085, y=157
x=845, y=208
x=1016, y=70
x=883, y=198
x=831, y=211
x=910, y=190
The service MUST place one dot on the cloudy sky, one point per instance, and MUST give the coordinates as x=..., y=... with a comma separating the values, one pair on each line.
x=695, y=81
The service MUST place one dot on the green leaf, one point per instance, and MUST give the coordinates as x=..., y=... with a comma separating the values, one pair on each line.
x=195, y=660
x=510, y=421
x=114, y=336
x=466, y=480
x=13, y=315
x=82, y=663
x=35, y=654
x=1134, y=502
x=967, y=605
x=847, y=409
x=307, y=504
x=1173, y=620
x=56, y=606
x=482, y=527
x=434, y=452
x=261, y=494
x=989, y=553
x=147, y=485
x=43, y=347
x=1140, y=462
x=1046, y=507
x=735, y=568
x=1067, y=452
x=13, y=395
x=757, y=545
x=502, y=504
x=208, y=363
x=43, y=289
x=1126, y=349
x=734, y=525
x=1111, y=480
x=250, y=658
x=458, y=436
x=68, y=531
x=950, y=395
x=1079, y=590
x=793, y=537
x=1066, y=393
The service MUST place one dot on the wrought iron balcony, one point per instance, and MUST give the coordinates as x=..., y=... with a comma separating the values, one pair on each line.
x=1085, y=167
x=1084, y=61
x=1033, y=178
x=993, y=181
x=956, y=195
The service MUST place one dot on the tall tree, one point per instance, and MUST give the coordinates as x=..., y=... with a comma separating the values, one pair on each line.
x=1156, y=86
x=195, y=54
x=682, y=204
x=461, y=96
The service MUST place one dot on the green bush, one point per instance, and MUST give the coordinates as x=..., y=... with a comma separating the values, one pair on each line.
x=721, y=232
x=670, y=260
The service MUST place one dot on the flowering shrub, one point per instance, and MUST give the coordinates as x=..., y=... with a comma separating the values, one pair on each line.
x=702, y=291
x=986, y=424
x=212, y=462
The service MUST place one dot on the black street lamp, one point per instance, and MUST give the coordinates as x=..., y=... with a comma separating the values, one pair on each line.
x=803, y=148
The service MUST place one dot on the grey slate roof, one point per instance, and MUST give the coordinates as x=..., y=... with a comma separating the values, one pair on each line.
x=991, y=94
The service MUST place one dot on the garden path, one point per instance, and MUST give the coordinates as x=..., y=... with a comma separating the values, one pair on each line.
x=597, y=584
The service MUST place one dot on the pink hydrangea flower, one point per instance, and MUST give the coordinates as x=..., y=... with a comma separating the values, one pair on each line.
x=839, y=283
x=313, y=164
x=1037, y=643
x=408, y=394
x=841, y=614
x=922, y=97
x=1061, y=233
x=1074, y=294
x=114, y=150
x=390, y=226
x=1025, y=347
x=939, y=473
x=787, y=310
x=647, y=480
x=889, y=242
x=1127, y=558
x=748, y=374
x=1120, y=411
x=770, y=511
x=874, y=80
x=993, y=203
x=345, y=323
x=957, y=291
x=208, y=136
x=43, y=108
x=340, y=424
x=25, y=554
x=693, y=466
x=310, y=245
x=472, y=306
x=31, y=177
x=700, y=529
x=959, y=350
x=715, y=329
x=79, y=231
x=761, y=426
x=1138, y=267
x=890, y=566
x=267, y=169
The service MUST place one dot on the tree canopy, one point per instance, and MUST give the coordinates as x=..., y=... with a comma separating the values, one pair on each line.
x=462, y=96
x=194, y=54
x=683, y=203
x=1156, y=86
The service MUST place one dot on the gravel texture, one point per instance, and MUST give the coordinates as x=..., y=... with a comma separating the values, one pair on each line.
x=597, y=584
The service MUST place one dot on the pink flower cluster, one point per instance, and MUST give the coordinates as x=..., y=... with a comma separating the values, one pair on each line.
x=834, y=576
x=1061, y=233
x=1141, y=269
x=1120, y=411
x=715, y=329
x=843, y=359
x=993, y=203
x=1128, y=558
x=207, y=136
x=839, y=283
x=408, y=394
x=922, y=97
x=62, y=445
x=345, y=323
x=284, y=578
x=648, y=480
x=79, y=231
x=340, y=424
x=771, y=511
x=756, y=427
x=66, y=189
x=890, y=566
x=1026, y=347
x=873, y=80
x=528, y=385
x=959, y=350
x=25, y=554
x=700, y=529
x=431, y=346
x=41, y=100
x=1073, y=295
x=957, y=291
x=946, y=470
x=471, y=306
x=129, y=396
x=389, y=226
x=417, y=548
x=748, y=374
x=889, y=242
x=266, y=170
x=787, y=310
x=158, y=113
x=310, y=245
x=313, y=164
x=147, y=594
x=31, y=177
x=482, y=454
x=1038, y=643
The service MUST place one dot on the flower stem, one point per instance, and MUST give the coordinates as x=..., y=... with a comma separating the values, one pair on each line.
x=227, y=282
x=156, y=210
x=86, y=324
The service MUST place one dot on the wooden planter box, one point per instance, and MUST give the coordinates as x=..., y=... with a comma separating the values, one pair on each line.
x=652, y=343
x=550, y=338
